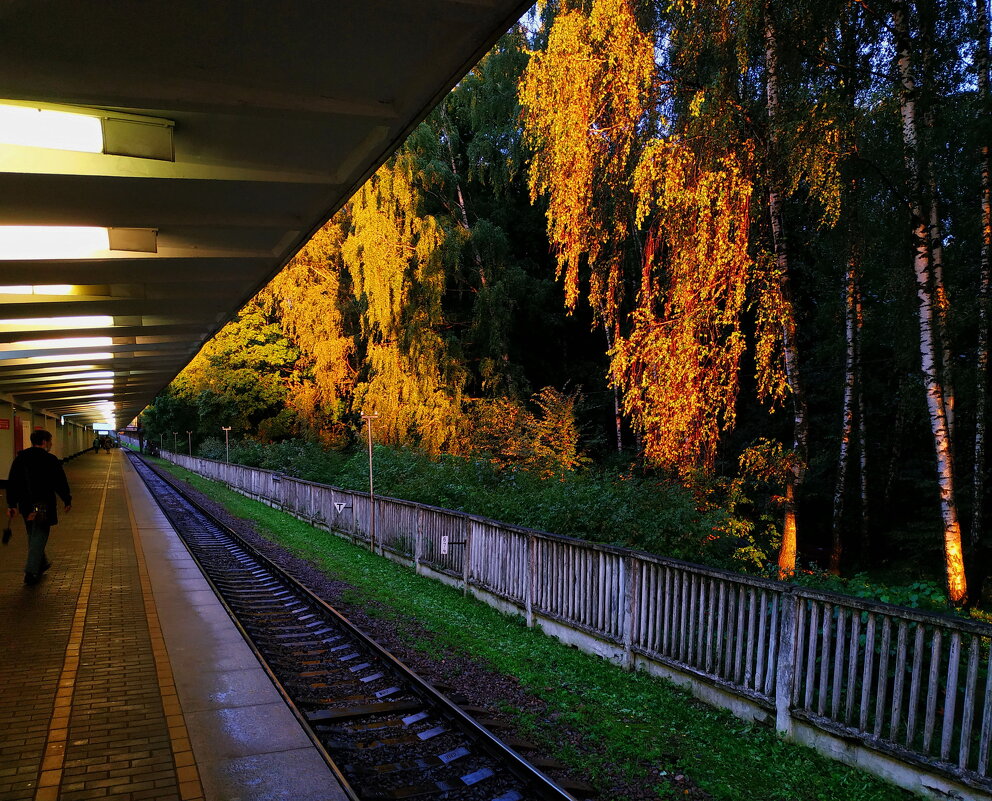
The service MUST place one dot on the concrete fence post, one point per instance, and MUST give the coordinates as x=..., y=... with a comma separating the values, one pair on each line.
x=785, y=662
x=466, y=554
x=529, y=588
x=627, y=565
x=418, y=540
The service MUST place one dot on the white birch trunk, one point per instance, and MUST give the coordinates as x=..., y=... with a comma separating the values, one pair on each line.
x=847, y=418
x=953, y=556
x=862, y=435
x=943, y=308
x=982, y=366
x=926, y=40
x=460, y=203
x=617, y=413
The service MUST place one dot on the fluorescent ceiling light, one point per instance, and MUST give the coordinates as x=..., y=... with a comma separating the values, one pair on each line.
x=87, y=130
x=58, y=344
x=57, y=376
x=95, y=374
x=103, y=383
x=49, y=323
x=46, y=372
x=60, y=391
x=52, y=241
x=36, y=127
x=48, y=289
x=53, y=289
x=55, y=357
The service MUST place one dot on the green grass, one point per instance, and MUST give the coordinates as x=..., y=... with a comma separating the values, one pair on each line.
x=638, y=725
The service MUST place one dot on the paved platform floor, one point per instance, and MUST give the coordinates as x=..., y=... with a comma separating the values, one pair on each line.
x=122, y=676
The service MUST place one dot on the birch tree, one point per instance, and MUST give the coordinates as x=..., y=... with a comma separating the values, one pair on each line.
x=922, y=269
x=984, y=106
x=796, y=473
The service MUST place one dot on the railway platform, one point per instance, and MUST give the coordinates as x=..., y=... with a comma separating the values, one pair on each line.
x=123, y=677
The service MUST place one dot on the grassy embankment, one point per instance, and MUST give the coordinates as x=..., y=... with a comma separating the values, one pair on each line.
x=642, y=724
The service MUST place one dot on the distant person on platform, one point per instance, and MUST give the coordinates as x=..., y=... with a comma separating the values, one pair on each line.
x=96, y=444
x=35, y=478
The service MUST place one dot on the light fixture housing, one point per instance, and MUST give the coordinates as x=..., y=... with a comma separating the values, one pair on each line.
x=85, y=130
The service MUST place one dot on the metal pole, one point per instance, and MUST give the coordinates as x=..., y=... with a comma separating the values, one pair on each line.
x=175, y=441
x=189, y=436
x=227, y=444
x=368, y=418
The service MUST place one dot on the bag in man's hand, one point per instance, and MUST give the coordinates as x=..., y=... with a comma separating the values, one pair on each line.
x=39, y=513
x=7, y=534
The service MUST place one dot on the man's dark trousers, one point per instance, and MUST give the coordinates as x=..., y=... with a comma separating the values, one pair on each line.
x=37, y=540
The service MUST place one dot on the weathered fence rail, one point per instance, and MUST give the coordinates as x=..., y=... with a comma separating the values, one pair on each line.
x=914, y=686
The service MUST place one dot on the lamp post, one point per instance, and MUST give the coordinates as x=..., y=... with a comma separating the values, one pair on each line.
x=368, y=418
x=175, y=441
x=189, y=436
x=227, y=445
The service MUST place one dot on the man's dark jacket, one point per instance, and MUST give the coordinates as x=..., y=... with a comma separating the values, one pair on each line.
x=35, y=477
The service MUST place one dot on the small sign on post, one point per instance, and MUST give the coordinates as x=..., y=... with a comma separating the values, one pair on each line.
x=444, y=545
x=340, y=506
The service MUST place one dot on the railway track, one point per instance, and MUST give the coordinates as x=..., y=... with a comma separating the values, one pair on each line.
x=385, y=732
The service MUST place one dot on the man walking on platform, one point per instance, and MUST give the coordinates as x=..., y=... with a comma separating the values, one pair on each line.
x=35, y=478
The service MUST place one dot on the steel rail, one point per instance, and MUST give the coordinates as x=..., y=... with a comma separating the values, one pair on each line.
x=531, y=782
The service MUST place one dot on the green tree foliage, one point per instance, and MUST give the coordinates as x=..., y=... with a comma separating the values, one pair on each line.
x=239, y=379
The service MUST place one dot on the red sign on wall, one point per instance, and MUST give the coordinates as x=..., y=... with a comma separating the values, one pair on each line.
x=4, y=423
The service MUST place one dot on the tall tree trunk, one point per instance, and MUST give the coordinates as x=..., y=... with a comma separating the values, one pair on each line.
x=849, y=82
x=862, y=436
x=943, y=305
x=797, y=469
x=460, y=205
x=953, y=556
x=847, y=419
x=611, y=337
x=981, y=383
x=926, y=100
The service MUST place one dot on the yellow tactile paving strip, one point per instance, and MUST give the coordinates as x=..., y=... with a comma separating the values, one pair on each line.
x=186, y=771
x=53, y=762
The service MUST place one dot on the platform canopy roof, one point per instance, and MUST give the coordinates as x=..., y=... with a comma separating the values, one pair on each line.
x=208, y=140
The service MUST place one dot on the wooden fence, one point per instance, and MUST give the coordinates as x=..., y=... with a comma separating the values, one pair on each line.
x=912, y=685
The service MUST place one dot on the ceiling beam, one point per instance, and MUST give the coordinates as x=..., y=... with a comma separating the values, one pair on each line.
x=133, y=270
x=111, y=201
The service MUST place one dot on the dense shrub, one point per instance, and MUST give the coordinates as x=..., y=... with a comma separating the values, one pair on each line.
x=649, y=514
x=294, y=457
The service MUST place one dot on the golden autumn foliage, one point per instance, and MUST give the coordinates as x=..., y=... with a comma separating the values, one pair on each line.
x=679, y=204
x=679, y=367
x=393, y=254
x=311, y=301
x=583, y=98
x=545, y=440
